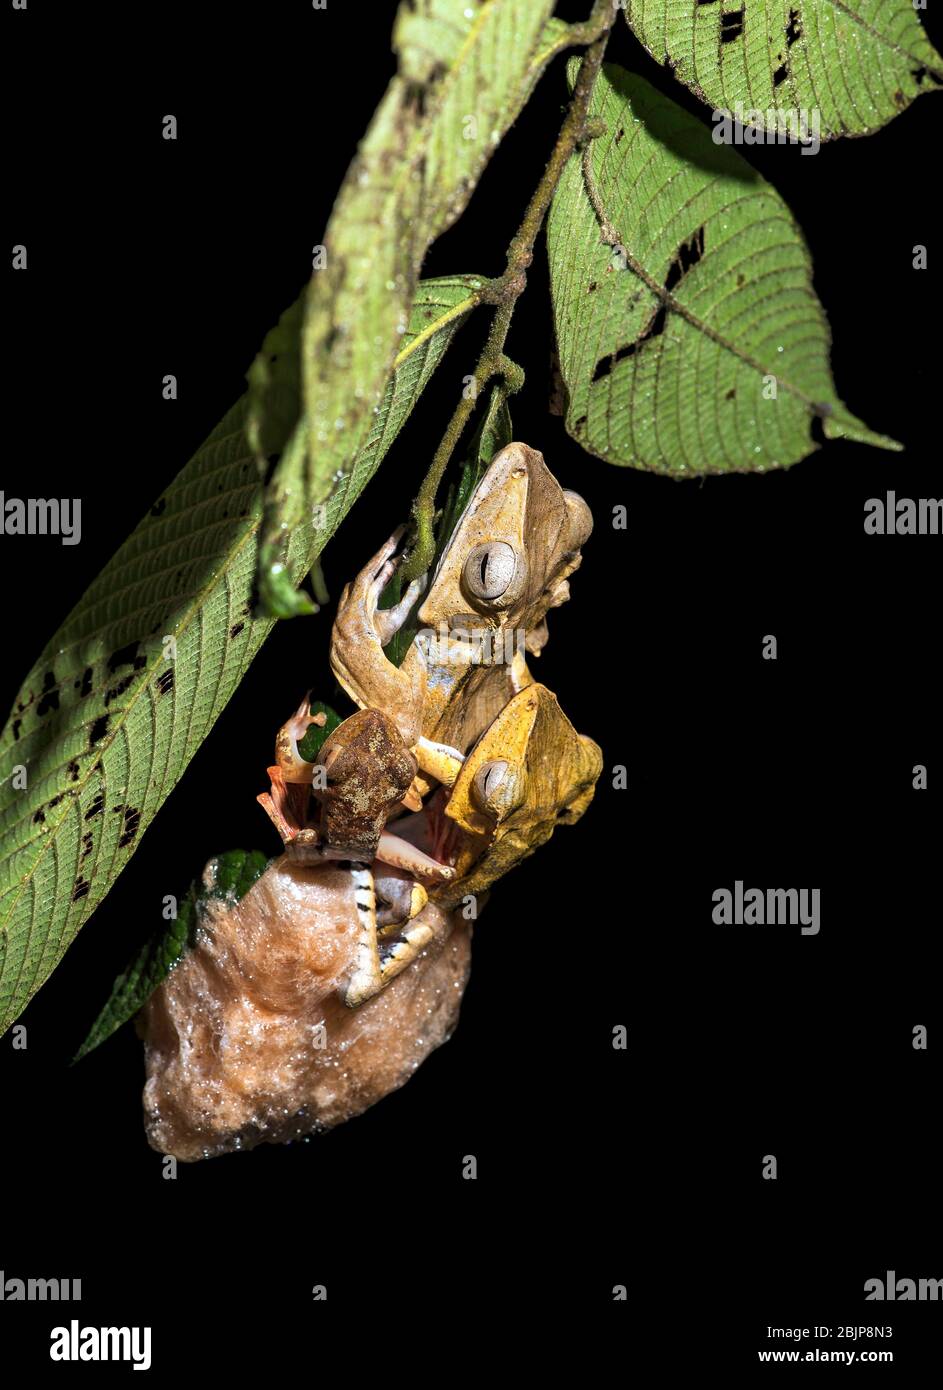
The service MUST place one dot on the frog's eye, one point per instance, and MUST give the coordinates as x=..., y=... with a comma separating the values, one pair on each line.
x=495, y=786
x=489, y=569
x=489, y=777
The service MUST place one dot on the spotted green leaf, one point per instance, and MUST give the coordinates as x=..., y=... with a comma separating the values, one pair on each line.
x=847, y=66
x=690, y=338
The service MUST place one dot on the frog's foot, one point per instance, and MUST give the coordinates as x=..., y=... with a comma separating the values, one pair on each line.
x=388, y=621
x=294, y=767
x=361, y=630
x=276, y=815
x=380, y=961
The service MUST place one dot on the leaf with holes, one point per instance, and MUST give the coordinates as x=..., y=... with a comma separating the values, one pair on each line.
x=226, y=878
x=822, y=67
x=690, y=337
x=464, y=73
x=132, y=682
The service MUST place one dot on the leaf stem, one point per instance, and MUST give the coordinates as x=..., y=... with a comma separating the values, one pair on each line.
x=504, y=291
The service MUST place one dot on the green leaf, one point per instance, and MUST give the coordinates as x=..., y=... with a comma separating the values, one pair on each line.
x=477, y=65
x=229, y=877
x=108, y=719
x=851, y=64
x=690, y=338
x=464, y=73
x=440, y=306
x=274, y=379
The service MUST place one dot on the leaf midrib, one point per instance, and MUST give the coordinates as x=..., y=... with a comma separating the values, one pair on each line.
x=609, y=235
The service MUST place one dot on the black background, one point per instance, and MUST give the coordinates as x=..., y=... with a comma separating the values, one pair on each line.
x=596, y=1167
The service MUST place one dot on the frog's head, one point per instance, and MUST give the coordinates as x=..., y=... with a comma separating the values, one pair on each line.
x=529, y=772
x=512, y=552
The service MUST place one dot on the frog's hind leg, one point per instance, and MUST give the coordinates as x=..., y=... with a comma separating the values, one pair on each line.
x=366, y=979
x=380, y=957
x=396, y=955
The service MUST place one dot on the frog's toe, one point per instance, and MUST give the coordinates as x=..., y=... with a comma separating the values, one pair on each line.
x=388, y=621
x=383, y=562
x=401, y=854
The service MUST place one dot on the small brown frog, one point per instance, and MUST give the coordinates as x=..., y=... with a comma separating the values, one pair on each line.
x=362, y=774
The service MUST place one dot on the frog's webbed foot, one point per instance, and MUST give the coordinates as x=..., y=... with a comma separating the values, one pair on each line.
x=362, y=629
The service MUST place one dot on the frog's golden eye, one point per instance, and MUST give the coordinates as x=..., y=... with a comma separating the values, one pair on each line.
x=489, y=569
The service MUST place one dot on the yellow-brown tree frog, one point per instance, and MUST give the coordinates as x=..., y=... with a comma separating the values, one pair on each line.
x=506, y=564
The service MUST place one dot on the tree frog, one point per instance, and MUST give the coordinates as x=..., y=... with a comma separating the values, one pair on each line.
x=529, y=772
x=506, y=564
x=362, y=773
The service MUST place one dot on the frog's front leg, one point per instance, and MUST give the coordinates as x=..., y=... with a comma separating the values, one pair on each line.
x=294, y=767
x=286, y=802
x=362, y=629
x=438, y=760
